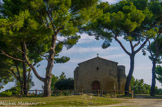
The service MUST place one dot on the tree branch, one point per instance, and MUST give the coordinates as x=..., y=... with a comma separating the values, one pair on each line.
x=132, y=48
x=12, y=71
x=20, y=50
x=11, y=57
x=50, y=19
x=121, y=45
x=150, y=50
x=137, y=44
x=45, y=56
x=157, y=52
x=32, y=67
x=142, y=46
x=29, y=77
x=18, y=71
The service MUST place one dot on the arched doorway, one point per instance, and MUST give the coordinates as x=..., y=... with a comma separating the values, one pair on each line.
x=95, y=85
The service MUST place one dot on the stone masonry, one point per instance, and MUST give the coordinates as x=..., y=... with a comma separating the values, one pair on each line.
x=99, y=74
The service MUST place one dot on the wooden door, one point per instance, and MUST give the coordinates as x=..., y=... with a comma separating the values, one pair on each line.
x=96, y=85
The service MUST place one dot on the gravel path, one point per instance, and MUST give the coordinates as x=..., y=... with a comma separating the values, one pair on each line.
x=138, y=103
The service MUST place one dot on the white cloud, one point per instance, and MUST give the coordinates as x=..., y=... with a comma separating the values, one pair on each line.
x=114, y=56
x=111, y=1
x=60, y=38
x=77, y=60
x=86, y=39
x=82, y=50
x=109, y=57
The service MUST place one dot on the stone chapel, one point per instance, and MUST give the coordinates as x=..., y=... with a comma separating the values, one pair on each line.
x=99, y=74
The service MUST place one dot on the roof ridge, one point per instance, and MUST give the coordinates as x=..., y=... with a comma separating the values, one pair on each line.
x=96, y=58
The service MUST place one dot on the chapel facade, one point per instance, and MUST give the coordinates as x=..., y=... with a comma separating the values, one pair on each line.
x=99, y=74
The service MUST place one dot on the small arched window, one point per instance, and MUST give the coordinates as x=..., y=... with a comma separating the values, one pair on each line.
x=97, y=68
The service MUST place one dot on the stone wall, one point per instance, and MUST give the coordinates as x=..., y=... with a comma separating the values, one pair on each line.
x=121, y=78
x=97, y=69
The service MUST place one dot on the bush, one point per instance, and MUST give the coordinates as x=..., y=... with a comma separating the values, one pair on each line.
x=6, y=94
x=65, y=84
x=139, y=86
x=158, y=91
x=14, y=90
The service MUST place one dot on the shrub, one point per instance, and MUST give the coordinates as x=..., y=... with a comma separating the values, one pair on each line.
x=65, y=84
x=6, y=94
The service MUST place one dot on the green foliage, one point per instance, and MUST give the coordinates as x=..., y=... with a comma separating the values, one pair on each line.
x=150, y=33
x=13, y=7
x=156, y=7
x=19, y=26
x=36, y=24
x=62, y=76
x=133, y=20
x=140, y=4
x=61, y=82
x=54, y=80
x=121, y=19
x=69, y=21
x=31, y=22
x=155, y=49
x=13, y=90
x=158, y=71
x=5, y=74
x=130, y=18
x=63, y=59
x=65, y=84
x=139, y=86
x=6, y=94
x=154, y=32
x=158, y=91
x=79, y=4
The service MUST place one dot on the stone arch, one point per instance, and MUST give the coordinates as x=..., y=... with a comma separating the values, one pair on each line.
x=95, y=85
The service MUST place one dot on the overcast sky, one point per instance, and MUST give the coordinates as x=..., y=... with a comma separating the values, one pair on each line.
x=87, y=48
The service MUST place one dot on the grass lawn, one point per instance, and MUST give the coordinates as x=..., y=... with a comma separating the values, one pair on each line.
x=58, y=101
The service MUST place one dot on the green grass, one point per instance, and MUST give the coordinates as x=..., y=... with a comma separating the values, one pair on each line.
x=64, y=101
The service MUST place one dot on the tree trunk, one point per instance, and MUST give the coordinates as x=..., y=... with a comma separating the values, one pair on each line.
x=25, y=80
x=28, y=79
x=47, y=86
x=24, y=72
x=152, y=93
x=132, y=56
x=18, y=77
x=48, y=79
x=21, y=88
x=21, y=83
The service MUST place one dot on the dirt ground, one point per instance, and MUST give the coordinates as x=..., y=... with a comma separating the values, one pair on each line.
x=139, y=101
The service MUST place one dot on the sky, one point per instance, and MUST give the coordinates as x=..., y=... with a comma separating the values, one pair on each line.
x=87, y=48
